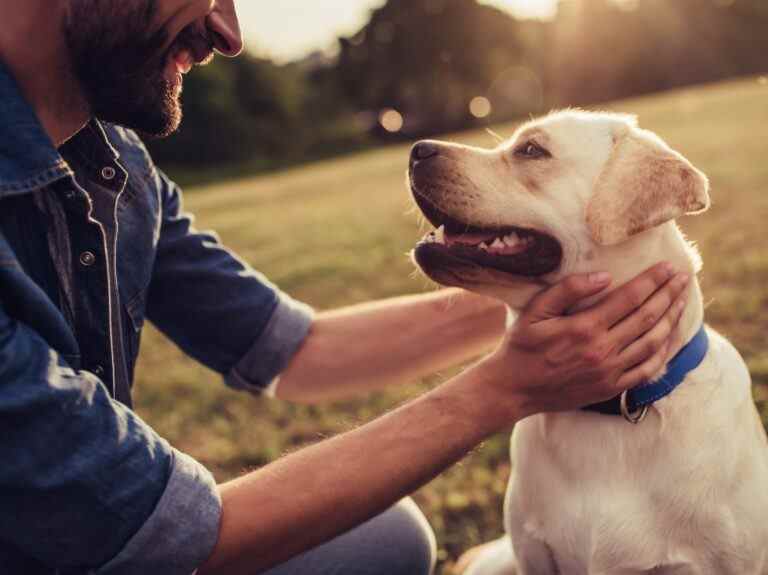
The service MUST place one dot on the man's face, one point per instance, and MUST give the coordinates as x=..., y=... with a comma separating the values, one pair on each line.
x=130, y=55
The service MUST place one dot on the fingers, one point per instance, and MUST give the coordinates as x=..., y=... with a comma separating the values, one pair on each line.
x=562, y=296
x=645, y=371
x=632, y=296
x=653, y=342
x=650, y=314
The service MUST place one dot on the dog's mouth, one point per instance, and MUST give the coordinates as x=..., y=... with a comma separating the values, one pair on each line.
x=515, y=250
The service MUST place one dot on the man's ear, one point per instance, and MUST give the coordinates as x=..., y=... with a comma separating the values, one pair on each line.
x=643, y=185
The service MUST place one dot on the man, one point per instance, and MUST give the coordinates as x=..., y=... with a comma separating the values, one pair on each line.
x=93, y=240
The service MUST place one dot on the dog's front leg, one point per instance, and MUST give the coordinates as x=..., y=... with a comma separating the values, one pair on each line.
x=534, y=557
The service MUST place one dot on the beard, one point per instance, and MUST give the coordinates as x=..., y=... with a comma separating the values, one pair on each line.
x=121, y=66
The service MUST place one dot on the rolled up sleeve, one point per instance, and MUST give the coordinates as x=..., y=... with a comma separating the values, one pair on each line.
x=85, y=484
x=183, y=529
x=216, y=307
x=258, y=371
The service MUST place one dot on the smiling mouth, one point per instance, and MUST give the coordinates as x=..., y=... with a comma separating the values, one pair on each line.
x=191, y=48
x=515, y=250
x=183, y=60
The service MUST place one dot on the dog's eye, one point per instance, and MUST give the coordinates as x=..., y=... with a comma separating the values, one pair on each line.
x=531, y=150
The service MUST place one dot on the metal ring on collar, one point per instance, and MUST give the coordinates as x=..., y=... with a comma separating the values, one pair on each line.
x=633, y=418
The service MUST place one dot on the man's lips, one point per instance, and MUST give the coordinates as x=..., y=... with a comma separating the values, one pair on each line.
x=183, y=60
x=192, y=47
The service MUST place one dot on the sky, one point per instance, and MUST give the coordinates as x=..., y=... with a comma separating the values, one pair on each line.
x=289, y=29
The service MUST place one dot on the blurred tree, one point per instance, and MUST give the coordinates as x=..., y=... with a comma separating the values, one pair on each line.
x=236, y=111
x=213, y=129
x=607, y=49
x=428, y=59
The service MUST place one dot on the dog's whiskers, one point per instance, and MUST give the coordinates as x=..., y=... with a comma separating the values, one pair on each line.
x=499, y=139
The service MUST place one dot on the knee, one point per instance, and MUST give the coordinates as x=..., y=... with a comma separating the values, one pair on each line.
x=397, y=542
x=411, y=541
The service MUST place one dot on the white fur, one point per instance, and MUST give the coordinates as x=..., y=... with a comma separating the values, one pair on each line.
x=685, y=492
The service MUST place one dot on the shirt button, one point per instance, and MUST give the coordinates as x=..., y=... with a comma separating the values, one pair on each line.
x=87, y=259
x=98, y=371
x=69, y=194
x=108, y=173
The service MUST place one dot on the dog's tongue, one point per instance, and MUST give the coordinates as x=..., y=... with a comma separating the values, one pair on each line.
x=470, y=238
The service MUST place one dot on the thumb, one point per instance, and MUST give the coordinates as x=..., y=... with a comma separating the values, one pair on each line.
x=561, y=297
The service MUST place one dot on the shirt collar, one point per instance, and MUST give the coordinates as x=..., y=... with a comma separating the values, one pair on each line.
x=28, y=158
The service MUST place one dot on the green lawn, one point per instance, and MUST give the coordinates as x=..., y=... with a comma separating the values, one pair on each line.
x=338, y=232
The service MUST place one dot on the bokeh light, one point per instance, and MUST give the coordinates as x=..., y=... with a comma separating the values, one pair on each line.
x=391, y=120
x=480, y=107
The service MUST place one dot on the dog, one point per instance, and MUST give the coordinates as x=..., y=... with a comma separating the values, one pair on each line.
x=685, y=490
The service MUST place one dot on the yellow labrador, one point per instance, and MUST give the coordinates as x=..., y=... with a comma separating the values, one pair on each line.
x=685, y=491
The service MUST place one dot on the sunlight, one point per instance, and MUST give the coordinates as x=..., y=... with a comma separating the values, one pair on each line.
x=526, y=8
x=291, y=29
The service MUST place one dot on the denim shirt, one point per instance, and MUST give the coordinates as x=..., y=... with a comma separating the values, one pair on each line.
x=93, y=241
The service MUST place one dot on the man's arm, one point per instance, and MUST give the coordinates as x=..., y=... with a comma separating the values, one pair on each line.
x=366, y=347
x=216, y=307
x=226, y=315
x=370, y=346
x=233, y=320
x=315, y=494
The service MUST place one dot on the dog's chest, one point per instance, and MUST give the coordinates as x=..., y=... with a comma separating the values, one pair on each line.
x=608, y=497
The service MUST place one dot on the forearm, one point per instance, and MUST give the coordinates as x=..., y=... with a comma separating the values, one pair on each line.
x=315, y=494
x=371, y=346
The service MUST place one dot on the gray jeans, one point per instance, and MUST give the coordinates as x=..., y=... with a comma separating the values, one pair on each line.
x=397, y=542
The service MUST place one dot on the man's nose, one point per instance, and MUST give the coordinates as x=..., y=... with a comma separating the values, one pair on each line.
x=225, y=29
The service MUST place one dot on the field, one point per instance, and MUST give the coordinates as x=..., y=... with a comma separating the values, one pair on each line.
x=337, y=233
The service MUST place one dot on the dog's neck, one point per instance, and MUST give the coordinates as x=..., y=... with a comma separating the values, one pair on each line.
x=664, y=243
x=625, y=262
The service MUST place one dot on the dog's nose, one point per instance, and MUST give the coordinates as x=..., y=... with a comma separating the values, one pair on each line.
x=424, y=150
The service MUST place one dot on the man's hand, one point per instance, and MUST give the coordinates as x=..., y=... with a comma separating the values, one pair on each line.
x=558, y=362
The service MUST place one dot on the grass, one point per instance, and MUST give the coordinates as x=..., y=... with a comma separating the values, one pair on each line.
x=336, y=232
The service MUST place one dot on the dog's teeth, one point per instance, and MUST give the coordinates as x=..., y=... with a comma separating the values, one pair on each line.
x=497, y=243
x=511, y=240
x=440, y=235
x=483, y=247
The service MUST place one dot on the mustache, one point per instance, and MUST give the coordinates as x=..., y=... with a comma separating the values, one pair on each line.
x=136, y=59
x=151, y=56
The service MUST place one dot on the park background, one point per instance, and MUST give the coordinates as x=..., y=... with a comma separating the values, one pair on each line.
x=297, y=159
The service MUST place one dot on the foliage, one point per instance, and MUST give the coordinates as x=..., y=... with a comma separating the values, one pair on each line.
x=250, y=111
x=428, y=59
x=607, y=49
x=336, y=233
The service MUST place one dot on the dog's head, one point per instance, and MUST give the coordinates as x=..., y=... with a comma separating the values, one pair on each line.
x=563, y=193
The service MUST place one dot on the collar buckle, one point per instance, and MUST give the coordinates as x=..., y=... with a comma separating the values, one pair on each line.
x=634, y=418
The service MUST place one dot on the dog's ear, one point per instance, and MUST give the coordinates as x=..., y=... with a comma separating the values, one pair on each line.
x=643, y=185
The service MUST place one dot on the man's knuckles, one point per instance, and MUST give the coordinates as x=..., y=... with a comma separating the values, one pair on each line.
x=597, y=354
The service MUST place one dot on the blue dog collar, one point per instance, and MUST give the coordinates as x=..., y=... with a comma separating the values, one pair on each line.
x=640, y=398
